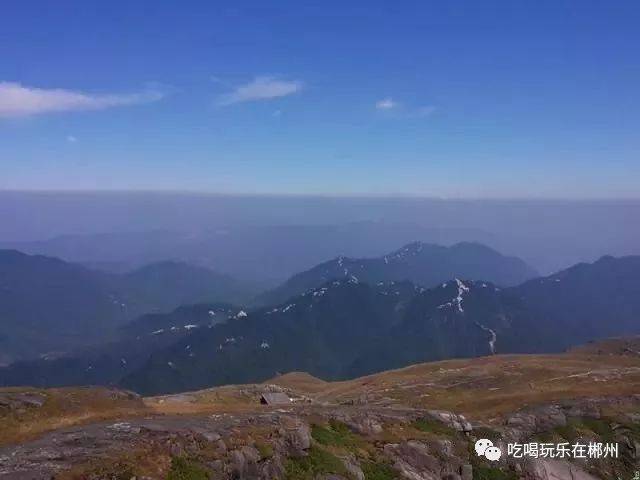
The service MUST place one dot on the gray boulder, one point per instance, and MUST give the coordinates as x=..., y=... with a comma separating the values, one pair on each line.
x=456, y=421
x=548, y=469
x=414, y=460
x=297, y=435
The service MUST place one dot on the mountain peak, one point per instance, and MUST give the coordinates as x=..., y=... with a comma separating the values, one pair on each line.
x=424, y=264
x=409, y=250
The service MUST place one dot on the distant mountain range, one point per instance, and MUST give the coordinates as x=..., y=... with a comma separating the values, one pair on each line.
x=261, y=255
x=586, y=301
x=132, y=346
x=421, y=263
x=347, y=327
x=163, y=286
x=48, y=305
x=268, y=238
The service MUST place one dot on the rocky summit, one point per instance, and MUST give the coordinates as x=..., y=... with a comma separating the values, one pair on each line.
x=418, y=423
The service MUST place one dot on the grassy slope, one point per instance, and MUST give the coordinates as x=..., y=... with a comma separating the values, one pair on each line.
x=481, y=388
x=64, y=407
x=489, y=386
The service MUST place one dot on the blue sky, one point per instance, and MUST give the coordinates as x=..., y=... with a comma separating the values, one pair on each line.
x=530, y=99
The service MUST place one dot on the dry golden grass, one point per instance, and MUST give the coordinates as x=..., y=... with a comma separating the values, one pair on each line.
x=226, y=399
x=138, y=463
x=299, y=382
x=490, y=386
x=481, y=388
x=65, y=407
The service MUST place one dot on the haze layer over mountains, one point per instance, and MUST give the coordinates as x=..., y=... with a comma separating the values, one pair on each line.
x=227, y=297
x=268, y=239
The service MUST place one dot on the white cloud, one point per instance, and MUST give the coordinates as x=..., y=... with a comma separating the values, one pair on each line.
x=386, y=104
x=402, y=110
x=17, y=100
x=71, y=139
x=261, y=88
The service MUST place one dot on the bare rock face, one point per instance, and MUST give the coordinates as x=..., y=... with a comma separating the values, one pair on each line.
x=21, y=400
x=456, y=421
x=585, y=408
x=536, y=420
x=238, y=464
x=530, y=421
x=273, y=468
x=548, y=418
x=244, y=464
x=634, y=417
x=230, y=445
x=555, y=470
x=221, y=447
x=250, y=453
x=363, y=424
x=414, y=460
x=352, y=466
x=297, y=435
x=206, y=435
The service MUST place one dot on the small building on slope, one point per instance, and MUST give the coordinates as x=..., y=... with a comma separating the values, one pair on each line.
x=275, y=398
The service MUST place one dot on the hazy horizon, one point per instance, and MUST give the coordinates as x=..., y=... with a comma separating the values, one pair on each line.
x=128, y=226
x=328, y=195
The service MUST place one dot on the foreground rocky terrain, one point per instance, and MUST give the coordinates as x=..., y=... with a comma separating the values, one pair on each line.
x=420, y=422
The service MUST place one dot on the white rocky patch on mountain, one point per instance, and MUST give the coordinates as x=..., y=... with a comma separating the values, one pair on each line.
x=492, y=338
x=457, y=301
x=412, y=249
x=462, y=289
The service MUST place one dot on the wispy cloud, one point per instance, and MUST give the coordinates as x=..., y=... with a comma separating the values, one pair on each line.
x=401, y=110
x=71, y=139
x=17, y=100
x=261, y=88
x=386, y=104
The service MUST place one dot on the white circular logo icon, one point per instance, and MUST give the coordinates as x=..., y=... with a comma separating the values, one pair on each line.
x=484, y=448
x=482, y=445
x=493, y=454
